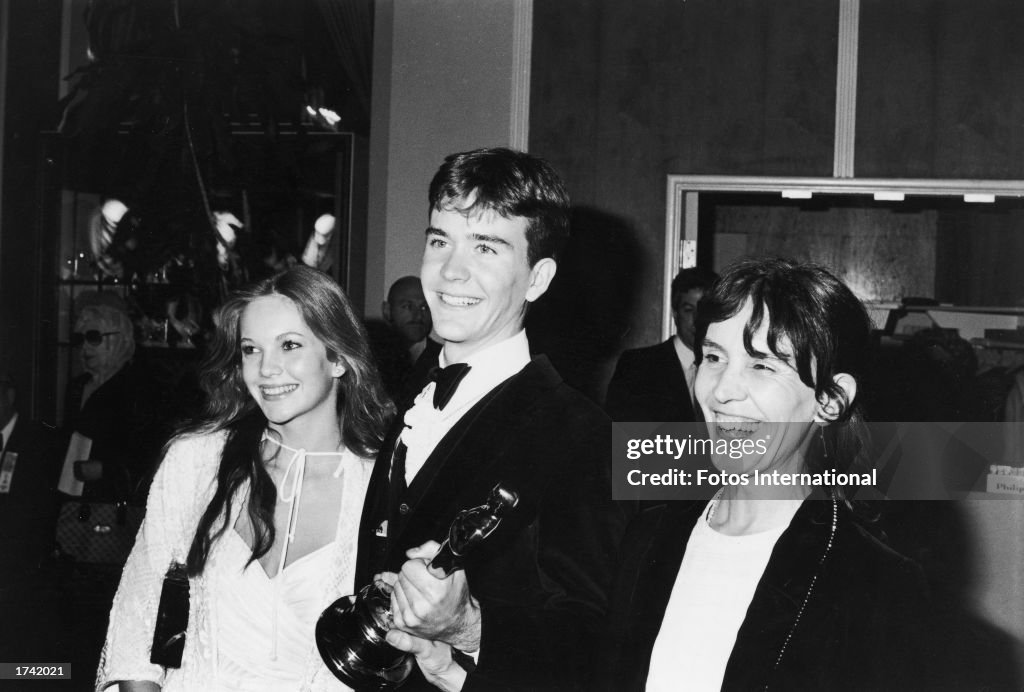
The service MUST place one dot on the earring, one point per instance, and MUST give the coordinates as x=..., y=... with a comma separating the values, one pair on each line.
x=824, y=447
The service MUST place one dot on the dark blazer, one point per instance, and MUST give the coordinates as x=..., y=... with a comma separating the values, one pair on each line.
x=394, y=363
x=541, y=578
x=35, y=627
x=649, y=385
x=28, y=511
x=127, y=429
x=863, y=627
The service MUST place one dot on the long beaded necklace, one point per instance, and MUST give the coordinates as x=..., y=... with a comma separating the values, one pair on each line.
x=713, y=506
x=814, y=580
x=710, y=514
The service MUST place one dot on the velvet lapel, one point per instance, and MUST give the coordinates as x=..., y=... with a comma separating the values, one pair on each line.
x=375, y=506
x=377, y=491
x=656, y=561
x=780, y=594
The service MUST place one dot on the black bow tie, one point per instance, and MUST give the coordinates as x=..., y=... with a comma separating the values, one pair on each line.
x=447, y=380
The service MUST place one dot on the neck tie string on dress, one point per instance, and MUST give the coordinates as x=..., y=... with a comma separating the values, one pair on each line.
x=293, y=497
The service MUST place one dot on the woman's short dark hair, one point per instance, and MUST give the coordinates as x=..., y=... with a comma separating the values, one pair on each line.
x=363, y=408
x=826, y=325
x=509, y=183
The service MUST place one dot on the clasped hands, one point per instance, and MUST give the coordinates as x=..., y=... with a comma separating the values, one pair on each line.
x=432, y=613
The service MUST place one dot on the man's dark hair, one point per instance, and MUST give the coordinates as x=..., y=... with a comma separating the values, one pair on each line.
x=509, y=183
x=689, y=279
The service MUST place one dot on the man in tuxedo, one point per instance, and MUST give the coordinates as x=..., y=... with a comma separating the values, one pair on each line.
x=526, y=609
x=655, y=383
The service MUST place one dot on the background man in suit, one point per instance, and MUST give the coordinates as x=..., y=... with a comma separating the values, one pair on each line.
x=403, y=336
x=655, y=383
x=532, y=596
x=29, y=466
x=30, y=455
x=407, y=312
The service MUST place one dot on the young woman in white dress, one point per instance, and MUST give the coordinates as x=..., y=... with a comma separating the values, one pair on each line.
x=260, y=499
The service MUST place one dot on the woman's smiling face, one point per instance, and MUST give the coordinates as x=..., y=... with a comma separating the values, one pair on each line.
x=284, y=365
x=756, y=396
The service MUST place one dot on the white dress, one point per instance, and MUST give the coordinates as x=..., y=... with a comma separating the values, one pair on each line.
x=245, y=630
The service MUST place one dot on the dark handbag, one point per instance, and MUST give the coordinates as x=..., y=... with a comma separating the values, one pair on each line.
x=100, y=528
x=98, y=532
x=171, y=619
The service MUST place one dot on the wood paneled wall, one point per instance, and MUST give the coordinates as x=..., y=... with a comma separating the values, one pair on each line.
x=882, y=253
x=625, y=93
x=980, y=255
x=940, y=89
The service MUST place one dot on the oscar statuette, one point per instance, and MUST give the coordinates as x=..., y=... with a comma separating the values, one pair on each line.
x=350, y=633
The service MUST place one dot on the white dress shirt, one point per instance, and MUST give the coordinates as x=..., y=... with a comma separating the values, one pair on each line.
x=688, y=360
x=713, y=589
x=7, y=461
x=7, y=432
x=426, y=425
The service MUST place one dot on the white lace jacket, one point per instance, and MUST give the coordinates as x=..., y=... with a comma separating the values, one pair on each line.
x=180, y=492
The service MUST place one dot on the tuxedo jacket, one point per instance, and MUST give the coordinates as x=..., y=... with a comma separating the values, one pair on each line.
x=542, y=577
x=863, y=627
x=649, y=385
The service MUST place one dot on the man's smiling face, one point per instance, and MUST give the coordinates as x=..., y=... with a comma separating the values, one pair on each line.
x=477, y=279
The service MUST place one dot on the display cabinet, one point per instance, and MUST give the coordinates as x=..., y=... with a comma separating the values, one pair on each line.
x=173, y=260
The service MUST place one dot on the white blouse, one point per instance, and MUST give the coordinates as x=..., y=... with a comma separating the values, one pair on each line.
x=709, y=601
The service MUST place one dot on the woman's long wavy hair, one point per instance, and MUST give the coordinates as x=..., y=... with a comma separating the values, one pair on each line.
x=826, y=325
x=363, y=408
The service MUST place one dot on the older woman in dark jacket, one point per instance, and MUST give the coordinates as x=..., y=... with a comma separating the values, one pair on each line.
x=770, y=586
